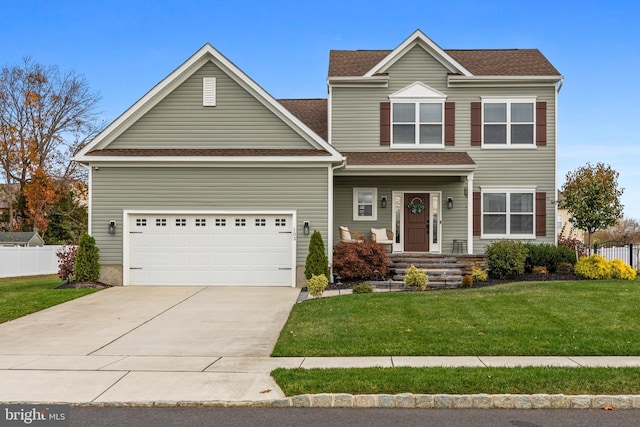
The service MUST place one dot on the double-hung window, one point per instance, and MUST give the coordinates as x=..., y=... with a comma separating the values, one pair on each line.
x=417, y=123
x=508, y=213
x=365, y=204
x=508, y=122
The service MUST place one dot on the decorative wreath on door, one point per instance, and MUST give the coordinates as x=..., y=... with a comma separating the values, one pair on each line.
x=416, y=205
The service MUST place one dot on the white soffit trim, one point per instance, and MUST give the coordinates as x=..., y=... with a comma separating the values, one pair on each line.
x=418, y=38
x=177, y=77
x=503, y=80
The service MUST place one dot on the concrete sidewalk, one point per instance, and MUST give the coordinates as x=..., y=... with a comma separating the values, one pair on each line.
x=97, y=378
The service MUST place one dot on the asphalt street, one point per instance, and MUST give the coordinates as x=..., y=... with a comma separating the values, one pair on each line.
x=352, y=417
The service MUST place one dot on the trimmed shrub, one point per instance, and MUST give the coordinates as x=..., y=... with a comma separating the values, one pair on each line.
x=416, y=278
x=593, y=267
x=362, y=288
x=317, y=262
x=566, y=255
x=621, y=270
x=467, y=281
x=564, y=268
x=505, y=258
x=317, y=284
x=87, y=268
x=547, y=255
x=66, y=262
x=541, y=254
x=478, y=274
x=360, y=261
x=540, y=269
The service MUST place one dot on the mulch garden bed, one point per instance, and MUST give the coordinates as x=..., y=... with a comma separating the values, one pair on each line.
x=79, y=285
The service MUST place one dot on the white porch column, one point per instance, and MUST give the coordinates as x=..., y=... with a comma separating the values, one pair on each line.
x=470, y=213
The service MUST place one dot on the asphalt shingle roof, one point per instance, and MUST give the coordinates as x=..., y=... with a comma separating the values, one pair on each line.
x=413, y=158
x=482, y=62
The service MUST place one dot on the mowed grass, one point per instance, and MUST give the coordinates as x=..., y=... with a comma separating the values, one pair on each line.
x=26, y=295
x=524, y=380
x=518, y=319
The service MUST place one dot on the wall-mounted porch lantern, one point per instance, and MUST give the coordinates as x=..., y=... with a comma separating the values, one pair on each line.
x=112, y=227
x=306, y=225
x=449, y=202
x=383, y=202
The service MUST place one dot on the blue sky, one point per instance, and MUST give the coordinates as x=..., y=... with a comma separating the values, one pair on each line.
x=124, y=48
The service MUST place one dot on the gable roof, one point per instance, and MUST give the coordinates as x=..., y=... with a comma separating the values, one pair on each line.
x=19, y=237
x=178, y=76
x=477, y=62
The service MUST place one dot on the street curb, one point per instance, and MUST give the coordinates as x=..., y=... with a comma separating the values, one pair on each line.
x=404, y=400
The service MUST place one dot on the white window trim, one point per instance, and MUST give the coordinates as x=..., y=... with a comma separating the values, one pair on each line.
x=417, y=123
x=507, y=191
x=374, y=203
x=509, y=101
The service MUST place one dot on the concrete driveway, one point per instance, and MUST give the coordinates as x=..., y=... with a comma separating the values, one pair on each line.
x=147, y=344
x=156, y=321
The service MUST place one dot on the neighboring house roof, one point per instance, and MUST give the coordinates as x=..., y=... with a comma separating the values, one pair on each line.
x=21, y=238
x=177, y=77
x=312, y=112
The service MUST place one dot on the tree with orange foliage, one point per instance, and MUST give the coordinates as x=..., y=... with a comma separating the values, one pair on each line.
x=46, y=116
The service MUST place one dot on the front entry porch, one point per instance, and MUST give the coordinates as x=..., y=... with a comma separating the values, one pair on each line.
x=416, y=221
x=445, y=271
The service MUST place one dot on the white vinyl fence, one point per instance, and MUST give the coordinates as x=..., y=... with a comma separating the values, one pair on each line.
x=628, y=253
x=16, y=261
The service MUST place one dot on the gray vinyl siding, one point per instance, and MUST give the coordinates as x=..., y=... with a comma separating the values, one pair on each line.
x=115, y=189
x=453, y=220
x=237, y=121
x=356, y=127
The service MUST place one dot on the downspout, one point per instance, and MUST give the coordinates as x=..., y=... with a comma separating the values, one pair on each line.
x=331, y=169
x=555, y=190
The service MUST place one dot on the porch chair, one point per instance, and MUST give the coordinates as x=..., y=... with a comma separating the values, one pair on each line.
x=382, y=236
x=350, y=236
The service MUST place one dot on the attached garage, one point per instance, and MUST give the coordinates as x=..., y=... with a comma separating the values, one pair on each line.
x=210, y=248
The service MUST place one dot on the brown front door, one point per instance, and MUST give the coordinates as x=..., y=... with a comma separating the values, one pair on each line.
x=416, y=222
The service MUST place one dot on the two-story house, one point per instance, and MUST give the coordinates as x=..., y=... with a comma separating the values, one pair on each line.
x=209, y=180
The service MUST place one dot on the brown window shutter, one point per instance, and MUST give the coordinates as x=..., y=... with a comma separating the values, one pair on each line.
x=477, y=199
x=449, y=124
x=476, y=123
x=541, y=213
x=541, y=123
x=385, y=123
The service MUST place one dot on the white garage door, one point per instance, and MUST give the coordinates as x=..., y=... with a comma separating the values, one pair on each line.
x=228, y=249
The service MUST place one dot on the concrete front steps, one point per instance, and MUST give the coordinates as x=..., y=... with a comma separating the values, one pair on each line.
x=444, y=271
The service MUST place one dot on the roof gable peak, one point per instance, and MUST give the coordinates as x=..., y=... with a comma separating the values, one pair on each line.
x=203, y=55
x=417, y=90
x=418, y=38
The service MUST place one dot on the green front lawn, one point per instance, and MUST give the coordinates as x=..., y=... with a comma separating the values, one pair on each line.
x=518, y=319
x=26, y=295
x=525, y=380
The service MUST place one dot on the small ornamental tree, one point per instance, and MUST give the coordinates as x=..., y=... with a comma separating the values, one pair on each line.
x=317, y=262
x=66, y=262
x=592, y=196
x=87, y=266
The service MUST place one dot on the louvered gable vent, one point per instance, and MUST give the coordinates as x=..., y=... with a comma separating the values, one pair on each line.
x=209, y=92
